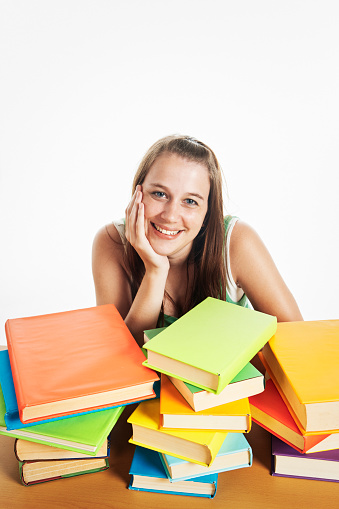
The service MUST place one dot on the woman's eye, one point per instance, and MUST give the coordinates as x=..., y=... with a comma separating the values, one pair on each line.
x=189, y=201
x=159, y=194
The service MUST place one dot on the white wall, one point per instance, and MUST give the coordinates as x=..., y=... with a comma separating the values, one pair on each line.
x=87, y=86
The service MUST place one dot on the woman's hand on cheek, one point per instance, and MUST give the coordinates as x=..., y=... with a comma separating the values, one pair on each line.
x=136, y=235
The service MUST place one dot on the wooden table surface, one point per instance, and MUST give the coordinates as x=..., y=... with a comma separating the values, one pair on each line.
x=252, y=487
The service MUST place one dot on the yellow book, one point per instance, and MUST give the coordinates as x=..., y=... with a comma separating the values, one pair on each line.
x=303, y=360
x=175, y=412
x=197, y=446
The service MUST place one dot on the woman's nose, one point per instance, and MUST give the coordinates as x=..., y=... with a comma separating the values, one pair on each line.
x=170, y=211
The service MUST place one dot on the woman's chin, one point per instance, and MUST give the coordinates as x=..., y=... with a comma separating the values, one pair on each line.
x=161, y=251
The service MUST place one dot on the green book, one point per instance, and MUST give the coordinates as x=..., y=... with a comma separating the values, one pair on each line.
x=83, y=433
x=34, y=472
x=248, y=382
x=208, y=346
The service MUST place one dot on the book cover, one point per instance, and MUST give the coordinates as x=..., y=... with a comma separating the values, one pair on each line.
x=12, y=419
x=84, y=433
x=36, y=472
x=148, y=474
x=287, y=462
x=269, y=411
x=197, y=446
x=25, y=450
x=303, y=359
x=175, y=412
x=234, y=453
x=210, y=344
x=75, y=361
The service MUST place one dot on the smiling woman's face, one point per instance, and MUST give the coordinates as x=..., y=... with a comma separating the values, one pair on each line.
x=175, y=195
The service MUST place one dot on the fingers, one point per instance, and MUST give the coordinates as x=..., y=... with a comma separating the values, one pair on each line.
x=140, y=222
x=133, y=216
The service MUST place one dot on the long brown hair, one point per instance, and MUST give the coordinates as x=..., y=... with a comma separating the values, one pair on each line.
x=207, y=253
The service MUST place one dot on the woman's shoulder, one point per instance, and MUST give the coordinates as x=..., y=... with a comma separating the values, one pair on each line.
x=108, y=240
x=243, y=234
x=243, y=242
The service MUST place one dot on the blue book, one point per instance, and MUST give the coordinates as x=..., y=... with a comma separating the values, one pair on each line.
x=234, y=453
x=12, y=419
x=148, y=474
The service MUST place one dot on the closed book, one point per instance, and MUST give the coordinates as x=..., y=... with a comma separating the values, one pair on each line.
x=75, y=361
x=175, y=412
x=197, y=446
x=210, y=344
x=148, y=474
x=234, y=453
x=25, y=450
x=303, y=359
x=269, y=410
x=84, y=433
x=36, y=472
x=246, y=383
x=12, y=419
x=287, y=462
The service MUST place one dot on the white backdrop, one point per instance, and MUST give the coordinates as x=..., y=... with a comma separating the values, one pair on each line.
x=87, y=86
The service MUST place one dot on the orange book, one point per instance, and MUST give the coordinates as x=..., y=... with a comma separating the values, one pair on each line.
x=302, y=358
x=75, y=361
x=176, y=413
x=270, y=412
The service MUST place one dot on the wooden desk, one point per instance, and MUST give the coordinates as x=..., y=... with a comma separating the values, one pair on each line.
x=251, y=488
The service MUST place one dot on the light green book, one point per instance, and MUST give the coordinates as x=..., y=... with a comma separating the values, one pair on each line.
x=208, y=346
x=83, y=433
x=248, y=382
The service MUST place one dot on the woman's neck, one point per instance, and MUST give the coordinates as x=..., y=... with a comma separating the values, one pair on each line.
x=178, y=287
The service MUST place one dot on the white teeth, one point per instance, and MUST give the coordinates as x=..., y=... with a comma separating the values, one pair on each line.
x=166, y=232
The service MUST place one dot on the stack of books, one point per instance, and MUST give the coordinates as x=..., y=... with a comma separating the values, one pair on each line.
x=65, y=380
x=300, y=404
x=195, y=430
x=41, y=463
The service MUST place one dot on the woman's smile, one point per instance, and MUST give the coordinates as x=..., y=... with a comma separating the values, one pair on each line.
x=166, y=232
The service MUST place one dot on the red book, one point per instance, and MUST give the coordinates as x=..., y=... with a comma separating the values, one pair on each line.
x=269, y=411
x=75, y=361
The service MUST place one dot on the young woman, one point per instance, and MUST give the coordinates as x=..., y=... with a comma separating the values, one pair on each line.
x=175, y=247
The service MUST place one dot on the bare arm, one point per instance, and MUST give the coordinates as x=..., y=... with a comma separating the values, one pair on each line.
x=111, y=279
x=255, y=272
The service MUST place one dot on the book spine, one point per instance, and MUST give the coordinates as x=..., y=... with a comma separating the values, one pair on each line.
x=16, y=449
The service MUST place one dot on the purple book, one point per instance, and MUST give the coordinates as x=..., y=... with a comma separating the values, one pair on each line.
x=288, y=462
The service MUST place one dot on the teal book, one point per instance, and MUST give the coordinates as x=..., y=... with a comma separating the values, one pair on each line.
x=208, y=346
x=84, y=433
x=148, y=474
x=234, y=453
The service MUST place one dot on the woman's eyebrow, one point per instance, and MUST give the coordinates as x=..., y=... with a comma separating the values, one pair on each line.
x=156, y=184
